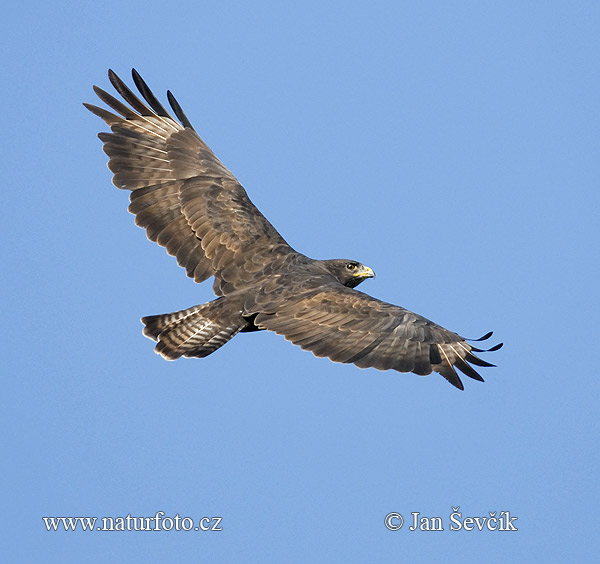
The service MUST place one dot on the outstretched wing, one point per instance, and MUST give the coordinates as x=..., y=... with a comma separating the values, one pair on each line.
x=181, y=193
x=351, y=327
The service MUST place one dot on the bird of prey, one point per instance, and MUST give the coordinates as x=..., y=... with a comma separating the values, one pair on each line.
x=191, y=204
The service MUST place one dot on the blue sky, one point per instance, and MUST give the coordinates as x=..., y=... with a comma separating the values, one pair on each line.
x=452, y=147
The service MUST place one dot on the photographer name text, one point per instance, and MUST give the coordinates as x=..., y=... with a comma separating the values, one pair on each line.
x=493, y=521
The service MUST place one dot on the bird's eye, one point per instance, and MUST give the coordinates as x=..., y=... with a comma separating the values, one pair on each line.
x=351, y=266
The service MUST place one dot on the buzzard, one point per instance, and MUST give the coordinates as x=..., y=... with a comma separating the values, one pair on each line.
x=189, y=203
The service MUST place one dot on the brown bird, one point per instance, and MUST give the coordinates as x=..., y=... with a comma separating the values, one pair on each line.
x=190, y=203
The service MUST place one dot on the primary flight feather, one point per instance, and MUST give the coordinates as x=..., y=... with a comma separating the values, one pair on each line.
x=190, y=203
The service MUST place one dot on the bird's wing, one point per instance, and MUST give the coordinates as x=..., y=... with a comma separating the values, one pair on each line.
x=181, y=193
x=351, y=327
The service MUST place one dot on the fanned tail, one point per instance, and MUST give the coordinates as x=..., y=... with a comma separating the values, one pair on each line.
x=194, y=332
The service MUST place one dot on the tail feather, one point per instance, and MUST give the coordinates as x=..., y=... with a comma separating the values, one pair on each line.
x=194, y=332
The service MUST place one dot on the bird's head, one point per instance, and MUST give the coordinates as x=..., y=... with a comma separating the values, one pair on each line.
x=349, y=272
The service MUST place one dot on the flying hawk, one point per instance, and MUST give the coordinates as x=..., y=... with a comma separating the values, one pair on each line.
x=189, y=203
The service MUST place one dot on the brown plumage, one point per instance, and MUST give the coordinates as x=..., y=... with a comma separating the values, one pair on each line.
x=189, y=203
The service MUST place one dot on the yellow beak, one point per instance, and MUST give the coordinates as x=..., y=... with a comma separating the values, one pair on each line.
x=364, y=272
